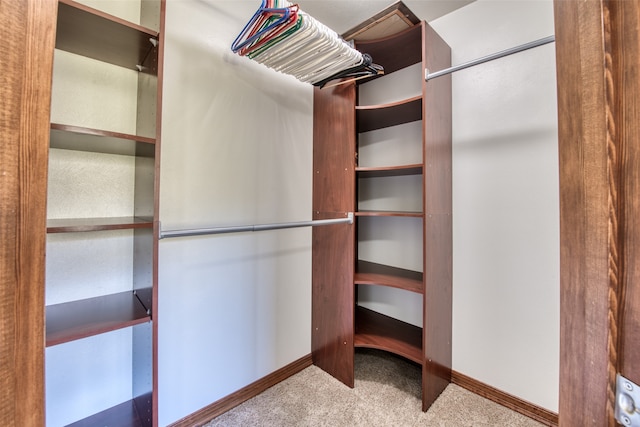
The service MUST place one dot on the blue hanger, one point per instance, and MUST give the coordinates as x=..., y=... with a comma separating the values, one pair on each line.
x=239, y=44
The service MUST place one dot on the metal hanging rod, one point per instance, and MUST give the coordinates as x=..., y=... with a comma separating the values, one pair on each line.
x=428, y=76
x=256, y=227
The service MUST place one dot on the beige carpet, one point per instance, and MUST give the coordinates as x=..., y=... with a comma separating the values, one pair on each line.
x=386, y=393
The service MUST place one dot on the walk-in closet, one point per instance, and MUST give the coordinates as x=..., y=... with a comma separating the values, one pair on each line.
x=217, y=195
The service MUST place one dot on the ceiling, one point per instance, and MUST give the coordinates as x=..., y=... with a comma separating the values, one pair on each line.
x=342, y=15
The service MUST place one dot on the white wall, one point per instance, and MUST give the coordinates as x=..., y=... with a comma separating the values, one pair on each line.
x=236, y=149
x=505, y=188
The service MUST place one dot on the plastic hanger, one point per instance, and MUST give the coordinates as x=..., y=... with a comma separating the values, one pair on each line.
x=272, y=36
x=284, y=38
x=260, y=24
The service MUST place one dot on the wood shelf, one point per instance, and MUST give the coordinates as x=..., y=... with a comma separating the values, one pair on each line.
x=379, y=116
x=67, y=137
x=397, y=51
x=74, y=320
x=375, y=330
x=385, y=171
x=89, y=32
x=371, y=273
x=125, y=414
x=390, y=213
x=78, y=225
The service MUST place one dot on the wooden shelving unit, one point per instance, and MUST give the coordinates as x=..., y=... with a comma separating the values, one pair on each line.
x=390, y=213
x=76, y=225
x=339, y=323
x=125, y=414
x=80, y=319
x=89, y=32
x=371, y=273
x=375, y=330
x=373, y=117
x=79, y=138
x=385, y=171
x=116, y=43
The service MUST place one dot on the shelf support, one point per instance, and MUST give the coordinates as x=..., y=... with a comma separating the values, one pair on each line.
x=255, y=227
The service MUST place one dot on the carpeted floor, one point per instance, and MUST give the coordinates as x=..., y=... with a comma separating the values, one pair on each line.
x=386, y=393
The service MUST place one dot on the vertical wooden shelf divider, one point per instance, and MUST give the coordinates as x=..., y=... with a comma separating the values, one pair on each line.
x=338, y=324
x=332, y=320
x=438, y=226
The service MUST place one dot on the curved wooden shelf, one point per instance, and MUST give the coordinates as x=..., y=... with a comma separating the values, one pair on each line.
x=379, y=116
x=92, y=33
x=67, y=137
x=74, y=320
x=371, y=273
x=375, y=330
x=397, y=51
x=385, y=171
x=78, y=225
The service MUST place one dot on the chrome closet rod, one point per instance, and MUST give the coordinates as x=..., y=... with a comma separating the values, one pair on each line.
x=428, y=75
x=256, y=227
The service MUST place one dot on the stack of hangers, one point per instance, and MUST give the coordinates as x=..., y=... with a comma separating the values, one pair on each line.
x=284, y=38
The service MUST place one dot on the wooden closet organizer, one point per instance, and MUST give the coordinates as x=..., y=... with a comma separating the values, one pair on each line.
x=117, y=47
x=339, y=323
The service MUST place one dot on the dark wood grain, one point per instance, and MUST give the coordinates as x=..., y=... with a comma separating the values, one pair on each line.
x=375, y=330
x=223, y=405
x=84, y=318
x=438, y=224
x=507, y=400
x=333, y=246
x=370, y=273
x=584, y=221
x=386, y=171
x=395, y=52
x=27, y=31
x=77, y=225
x=374, y=117
x=438, y=128
x=77, y=138
x=334, y=149
x=89, y=32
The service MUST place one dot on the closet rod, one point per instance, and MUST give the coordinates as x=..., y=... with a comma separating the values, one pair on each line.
x=428, y=76
x=256, y=227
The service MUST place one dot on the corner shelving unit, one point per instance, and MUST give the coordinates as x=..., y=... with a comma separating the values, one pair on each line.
x=340, y=322
x=114, y=44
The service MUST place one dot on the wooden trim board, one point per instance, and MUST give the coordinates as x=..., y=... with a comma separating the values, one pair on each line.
x=507, y=400
x=229, y=402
